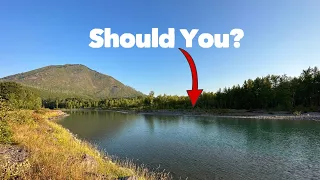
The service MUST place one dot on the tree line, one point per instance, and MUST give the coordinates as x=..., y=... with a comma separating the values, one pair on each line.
x=18, y=96
x=272, y=92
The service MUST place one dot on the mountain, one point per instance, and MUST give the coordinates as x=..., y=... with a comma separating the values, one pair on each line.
x=72, y=80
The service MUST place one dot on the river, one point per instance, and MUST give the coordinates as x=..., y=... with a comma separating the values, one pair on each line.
x=205, y=147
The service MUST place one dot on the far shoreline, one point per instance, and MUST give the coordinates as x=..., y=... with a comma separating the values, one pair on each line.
x=234, y=114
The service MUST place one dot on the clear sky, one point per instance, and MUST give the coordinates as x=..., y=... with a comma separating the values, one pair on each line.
x=281, y=37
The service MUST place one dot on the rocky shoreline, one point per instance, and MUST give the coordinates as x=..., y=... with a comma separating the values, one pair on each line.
x=315, y=116
x=239, y=114
x=59, y=114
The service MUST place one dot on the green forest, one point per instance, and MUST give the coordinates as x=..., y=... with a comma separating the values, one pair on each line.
x=19, y=97
x=272, y=92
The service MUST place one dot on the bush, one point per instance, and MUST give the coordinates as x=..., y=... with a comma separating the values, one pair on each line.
x=5, y=133
x=301, y=108
x=297, y=113
x=19, y=96
x=314, y=108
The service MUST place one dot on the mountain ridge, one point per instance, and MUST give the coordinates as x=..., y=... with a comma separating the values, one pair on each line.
x=73, y=80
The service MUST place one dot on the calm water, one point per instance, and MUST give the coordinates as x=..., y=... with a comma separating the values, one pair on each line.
x=206, y=147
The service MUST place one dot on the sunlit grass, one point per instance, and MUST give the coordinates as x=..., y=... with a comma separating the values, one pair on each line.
x=54, y=153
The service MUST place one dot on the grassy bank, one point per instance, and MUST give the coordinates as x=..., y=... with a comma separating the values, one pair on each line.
x=51, y=152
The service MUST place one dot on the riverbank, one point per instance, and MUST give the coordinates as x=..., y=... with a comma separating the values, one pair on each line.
x=38, y=148
x=223, y=113
x=243, y=114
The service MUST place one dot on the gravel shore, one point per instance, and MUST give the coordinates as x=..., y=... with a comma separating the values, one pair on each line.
x=241, y=114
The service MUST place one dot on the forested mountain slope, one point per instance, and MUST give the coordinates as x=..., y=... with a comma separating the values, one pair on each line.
x=72, y=80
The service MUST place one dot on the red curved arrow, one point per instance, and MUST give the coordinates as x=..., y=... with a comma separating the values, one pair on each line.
x=195, y=92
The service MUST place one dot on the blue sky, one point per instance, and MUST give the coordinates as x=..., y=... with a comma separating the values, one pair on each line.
x=281, y=37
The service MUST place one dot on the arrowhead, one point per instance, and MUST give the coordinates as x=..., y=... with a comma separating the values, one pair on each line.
x=194, y=95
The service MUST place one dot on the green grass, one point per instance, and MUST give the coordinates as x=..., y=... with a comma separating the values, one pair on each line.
x=5, y=133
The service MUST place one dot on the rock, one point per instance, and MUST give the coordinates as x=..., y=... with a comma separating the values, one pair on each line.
x=89, y=160
x=13, y=153
x=13, y=161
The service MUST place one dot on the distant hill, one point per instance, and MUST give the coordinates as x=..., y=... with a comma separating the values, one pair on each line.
x=72, y=80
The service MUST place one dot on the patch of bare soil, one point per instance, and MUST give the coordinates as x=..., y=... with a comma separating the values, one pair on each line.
x=13, y=161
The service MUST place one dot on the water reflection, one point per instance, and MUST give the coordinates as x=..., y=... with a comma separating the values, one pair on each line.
x=206, y=147
x=97, y=124
x=161, y=120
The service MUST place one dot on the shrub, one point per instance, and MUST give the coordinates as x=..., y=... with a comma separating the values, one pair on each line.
x=301, y=108
x=5, y=133
x=297, y=113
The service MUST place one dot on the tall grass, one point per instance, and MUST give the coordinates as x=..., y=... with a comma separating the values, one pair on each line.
x=54, y=153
